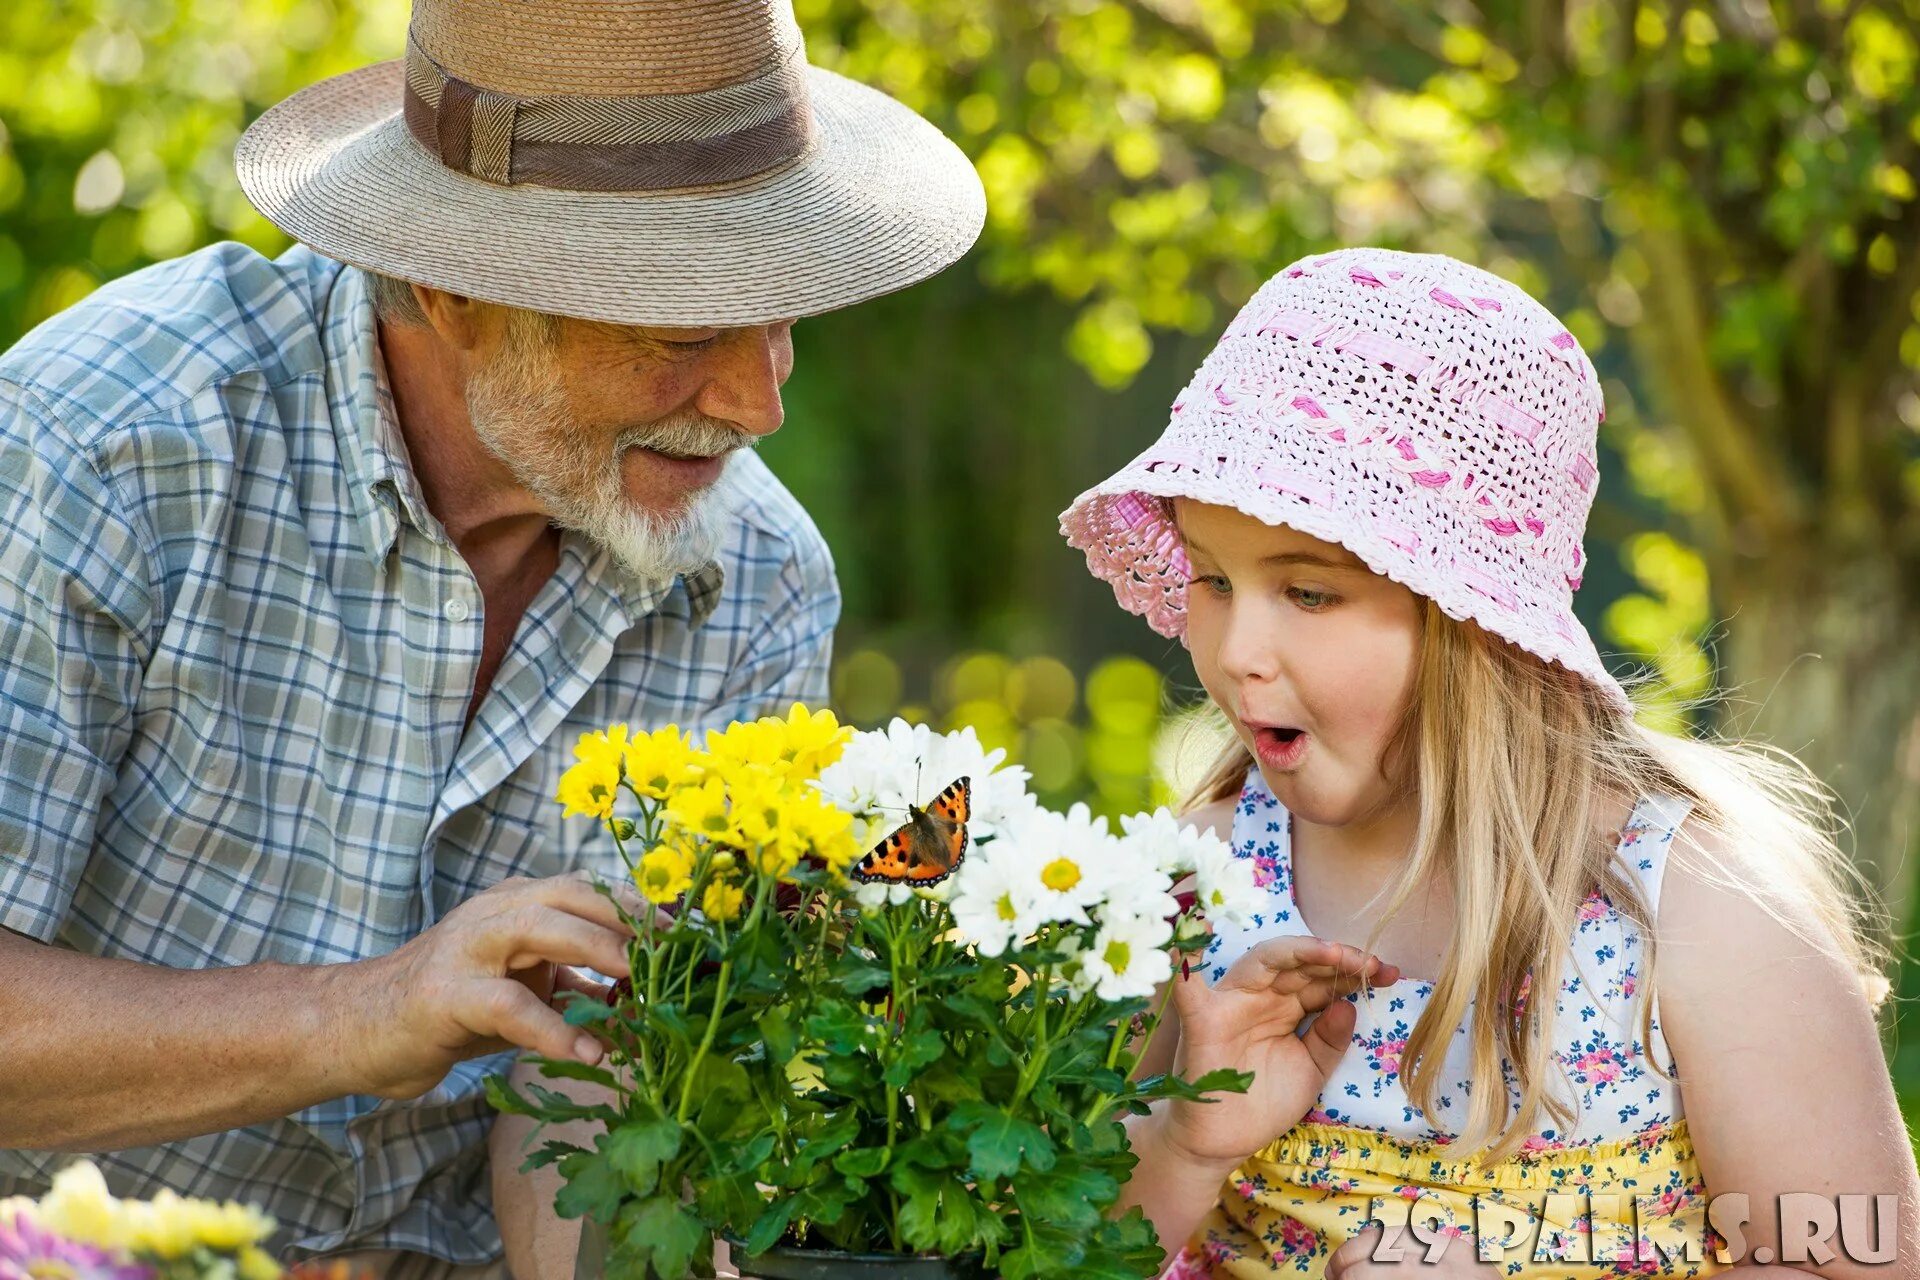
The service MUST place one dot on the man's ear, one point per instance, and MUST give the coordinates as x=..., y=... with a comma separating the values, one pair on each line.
x=462, y=323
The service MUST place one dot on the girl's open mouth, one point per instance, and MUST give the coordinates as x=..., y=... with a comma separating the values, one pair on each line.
x=1279, y=747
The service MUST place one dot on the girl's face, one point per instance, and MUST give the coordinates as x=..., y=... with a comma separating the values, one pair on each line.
x=1311, y=654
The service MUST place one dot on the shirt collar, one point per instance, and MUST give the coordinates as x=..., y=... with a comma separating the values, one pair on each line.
x=373, y=453
x=380, y=479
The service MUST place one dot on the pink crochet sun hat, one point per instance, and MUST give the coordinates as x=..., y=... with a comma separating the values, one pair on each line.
x=1426, y=415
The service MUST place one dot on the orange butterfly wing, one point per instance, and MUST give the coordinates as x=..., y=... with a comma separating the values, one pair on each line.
x=889, y=861
x=926, y=849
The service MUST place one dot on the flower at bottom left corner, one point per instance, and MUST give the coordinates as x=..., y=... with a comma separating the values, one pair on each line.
x=29, y=1251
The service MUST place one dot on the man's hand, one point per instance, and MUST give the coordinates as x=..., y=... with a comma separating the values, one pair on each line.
x=483, y=979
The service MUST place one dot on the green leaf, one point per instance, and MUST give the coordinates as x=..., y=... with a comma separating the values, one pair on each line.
x=999, y=1142
x=781, y=1039
x=1072, y=1194
x=548, y=1153
x=1170, y=1086
x=639, y=1147
x=919, y=1049
x=555, y=1106
x=770, y=1226
x=567, y=1069
x=753, y=1154
x=658, y=1232
x=594, y=1188
x=858, y=977
x=506, y=1099
x=585, y=1011
x=862, y=1162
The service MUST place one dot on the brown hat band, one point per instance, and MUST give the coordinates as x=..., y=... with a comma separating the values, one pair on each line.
x=646, y=142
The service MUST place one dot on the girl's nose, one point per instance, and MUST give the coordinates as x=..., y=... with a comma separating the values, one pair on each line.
x=1248, y=651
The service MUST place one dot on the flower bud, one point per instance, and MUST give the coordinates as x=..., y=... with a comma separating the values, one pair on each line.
x=622, y=828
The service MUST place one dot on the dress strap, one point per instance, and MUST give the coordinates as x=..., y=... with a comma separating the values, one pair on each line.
x=1648, y=836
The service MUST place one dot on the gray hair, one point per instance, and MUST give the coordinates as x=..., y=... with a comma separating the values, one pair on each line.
x=393, y=302
x=393, y=299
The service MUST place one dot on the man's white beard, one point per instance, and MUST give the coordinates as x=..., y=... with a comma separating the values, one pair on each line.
x=518, y=410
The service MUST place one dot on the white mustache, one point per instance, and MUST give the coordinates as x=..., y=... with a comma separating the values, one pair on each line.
x=692, y=435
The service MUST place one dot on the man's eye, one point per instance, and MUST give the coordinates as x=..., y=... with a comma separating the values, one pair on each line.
x=1308, y=598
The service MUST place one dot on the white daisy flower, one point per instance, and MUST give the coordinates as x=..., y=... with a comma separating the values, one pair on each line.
x=882, y=771
x=1174, y=846
x=1225, y=885
x=876, y=895
x=996, y=903
x=1136, y=885
x=1127, y=958
x=1075, y=861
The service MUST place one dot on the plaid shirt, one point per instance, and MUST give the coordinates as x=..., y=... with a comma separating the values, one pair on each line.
x=236, y=652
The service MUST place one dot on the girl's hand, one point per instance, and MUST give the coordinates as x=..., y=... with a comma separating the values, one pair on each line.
x=1247, y=1022
x=1354, y=1260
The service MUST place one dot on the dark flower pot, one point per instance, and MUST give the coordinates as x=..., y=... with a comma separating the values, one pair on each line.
x=785, y=1263
x=832, y=1264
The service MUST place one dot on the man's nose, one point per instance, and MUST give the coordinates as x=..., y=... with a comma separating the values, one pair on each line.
x=743, y=383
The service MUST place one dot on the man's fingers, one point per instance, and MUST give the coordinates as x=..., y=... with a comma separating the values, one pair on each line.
x=502, y=1009
x=532, y=933
x=578, y=892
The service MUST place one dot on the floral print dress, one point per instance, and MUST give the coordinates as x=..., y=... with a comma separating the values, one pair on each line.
x=1620, y=1193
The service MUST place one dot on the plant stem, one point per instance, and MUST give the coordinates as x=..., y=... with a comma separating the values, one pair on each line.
x=1120, y=1039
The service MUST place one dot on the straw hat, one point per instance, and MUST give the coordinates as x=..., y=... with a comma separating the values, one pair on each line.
x=1426, y=415
x=672, y=162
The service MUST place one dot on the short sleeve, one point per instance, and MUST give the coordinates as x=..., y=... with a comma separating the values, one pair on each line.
x=75, y=606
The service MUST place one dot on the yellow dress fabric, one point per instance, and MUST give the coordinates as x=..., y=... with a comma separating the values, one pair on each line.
x=1630, y=1206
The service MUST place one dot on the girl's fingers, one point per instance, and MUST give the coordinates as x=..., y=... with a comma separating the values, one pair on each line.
x=1348, y=1257
x=1330, y=1035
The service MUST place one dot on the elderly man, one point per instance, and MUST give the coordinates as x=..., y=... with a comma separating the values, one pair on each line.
x=311, y=574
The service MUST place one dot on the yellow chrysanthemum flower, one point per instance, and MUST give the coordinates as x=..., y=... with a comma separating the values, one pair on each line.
x=775, y=859
x=813, y=739
x=604, y=746
x=722, y=900
x=171, y=1226
x=816, y=827
x=798, y=746
x=660, y=761
x=664, y=874
x=79, y=1207
x=701, y=810
x=257, y=1264
x=590, y=788
x=757, y=801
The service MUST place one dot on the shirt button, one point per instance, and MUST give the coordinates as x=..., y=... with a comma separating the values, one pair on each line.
x=455, y=610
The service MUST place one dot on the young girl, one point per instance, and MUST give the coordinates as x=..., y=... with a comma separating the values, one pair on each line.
x=1365, y=522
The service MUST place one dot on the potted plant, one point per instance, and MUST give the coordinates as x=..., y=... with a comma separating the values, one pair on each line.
x=891, y=1024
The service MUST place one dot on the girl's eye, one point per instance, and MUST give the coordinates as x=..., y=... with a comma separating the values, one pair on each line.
x=1308, y=598
x=1215, y=583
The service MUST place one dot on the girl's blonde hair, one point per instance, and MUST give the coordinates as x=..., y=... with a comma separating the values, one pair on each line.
x=1513, y=762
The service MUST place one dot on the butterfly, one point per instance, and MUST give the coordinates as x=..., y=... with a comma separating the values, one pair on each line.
x=927, y=848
